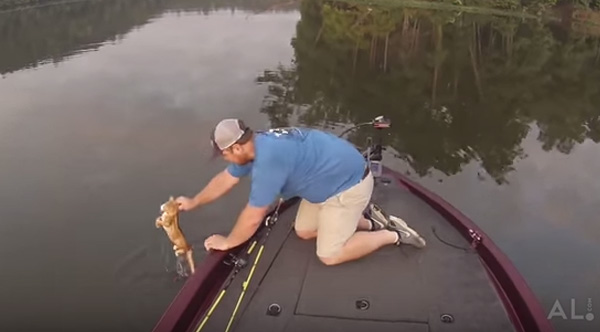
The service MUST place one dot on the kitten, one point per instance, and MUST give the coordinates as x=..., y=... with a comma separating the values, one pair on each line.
x=169, y=220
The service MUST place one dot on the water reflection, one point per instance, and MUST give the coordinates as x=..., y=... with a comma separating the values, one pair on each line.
x=458, y=87
x=32, y=37
x=92, y=145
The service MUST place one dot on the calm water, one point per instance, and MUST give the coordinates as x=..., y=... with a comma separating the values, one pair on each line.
x=106, y=108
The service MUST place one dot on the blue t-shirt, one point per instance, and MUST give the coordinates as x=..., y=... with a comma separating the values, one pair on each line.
x=306, y=163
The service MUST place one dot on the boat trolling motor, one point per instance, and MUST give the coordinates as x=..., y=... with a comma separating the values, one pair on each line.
x=374, y=152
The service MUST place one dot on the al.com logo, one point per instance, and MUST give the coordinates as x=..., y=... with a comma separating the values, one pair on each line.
x=578, y=310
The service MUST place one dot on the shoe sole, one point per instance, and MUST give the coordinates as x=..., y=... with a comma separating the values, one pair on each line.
x=414, y=239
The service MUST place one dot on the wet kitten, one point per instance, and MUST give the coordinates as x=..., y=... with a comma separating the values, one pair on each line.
x=169, y=220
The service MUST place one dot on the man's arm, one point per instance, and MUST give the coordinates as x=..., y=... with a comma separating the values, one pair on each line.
x=217, y=187
x=246, y=225
x=266, y=186
x=267, y=182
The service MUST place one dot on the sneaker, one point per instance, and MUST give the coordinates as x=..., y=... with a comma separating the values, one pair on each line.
x=379, y=219
x=406, y=235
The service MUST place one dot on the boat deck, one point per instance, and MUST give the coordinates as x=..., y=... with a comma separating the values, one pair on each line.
x=406, y=289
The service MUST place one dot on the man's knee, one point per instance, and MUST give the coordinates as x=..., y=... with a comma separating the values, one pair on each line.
x=306, y=234
x=332, y=260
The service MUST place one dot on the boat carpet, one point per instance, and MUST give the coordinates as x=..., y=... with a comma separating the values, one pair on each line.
x=393, y=289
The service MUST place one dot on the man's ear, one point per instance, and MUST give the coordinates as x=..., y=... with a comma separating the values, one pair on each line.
x=236, y=148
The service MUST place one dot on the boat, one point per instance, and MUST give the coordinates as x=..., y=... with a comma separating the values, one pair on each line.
x=461, y=281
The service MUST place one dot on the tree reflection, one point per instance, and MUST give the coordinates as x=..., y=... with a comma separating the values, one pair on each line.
x=458, y=87
x=30, y=37
x=53, y=33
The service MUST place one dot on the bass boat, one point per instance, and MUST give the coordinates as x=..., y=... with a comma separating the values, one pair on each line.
x=461, y=281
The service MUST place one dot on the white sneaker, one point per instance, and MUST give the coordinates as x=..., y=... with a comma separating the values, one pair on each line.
x=379, y=219
x=406, y=235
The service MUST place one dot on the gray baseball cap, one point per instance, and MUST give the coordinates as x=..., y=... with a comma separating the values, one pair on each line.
x=228, y=132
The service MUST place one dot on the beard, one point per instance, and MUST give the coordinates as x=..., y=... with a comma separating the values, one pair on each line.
x=244, y=161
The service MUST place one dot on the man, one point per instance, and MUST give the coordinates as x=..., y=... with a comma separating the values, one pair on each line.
x=327, y=172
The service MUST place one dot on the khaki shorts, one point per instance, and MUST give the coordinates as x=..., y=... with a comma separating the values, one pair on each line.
x=336, y=219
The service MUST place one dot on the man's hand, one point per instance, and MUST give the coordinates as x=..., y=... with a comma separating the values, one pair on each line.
x=216, y=242
x=185, y=203
x=247, y=223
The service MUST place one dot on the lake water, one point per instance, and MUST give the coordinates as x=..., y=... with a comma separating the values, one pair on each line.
x=107, y=106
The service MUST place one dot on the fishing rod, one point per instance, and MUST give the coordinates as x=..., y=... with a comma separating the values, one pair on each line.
x=240, y=262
